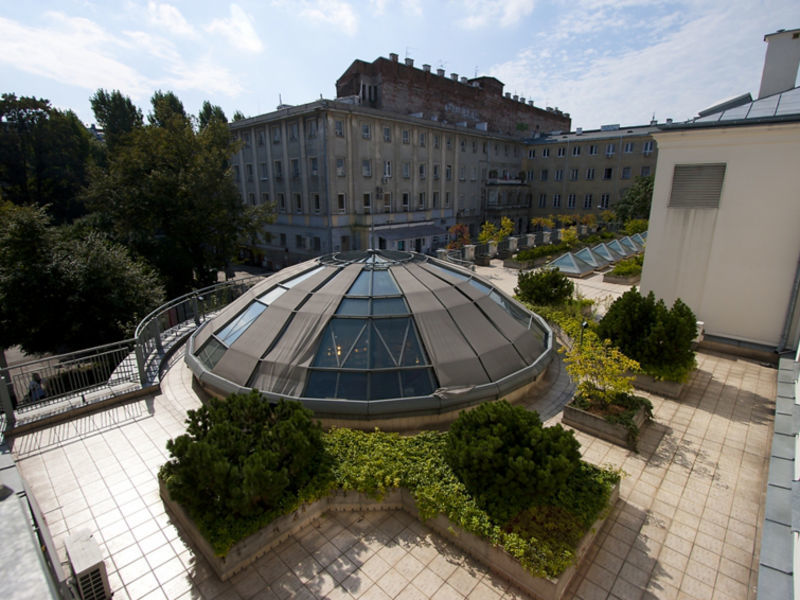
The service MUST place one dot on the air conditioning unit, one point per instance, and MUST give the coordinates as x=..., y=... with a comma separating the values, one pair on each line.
x=88, y=568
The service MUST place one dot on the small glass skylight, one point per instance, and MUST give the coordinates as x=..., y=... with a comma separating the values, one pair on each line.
x=231, y=332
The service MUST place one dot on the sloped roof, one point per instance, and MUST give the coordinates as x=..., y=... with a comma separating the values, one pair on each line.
x=571, y=265
x=610, y=254
x=784, y=106
x=591, y=257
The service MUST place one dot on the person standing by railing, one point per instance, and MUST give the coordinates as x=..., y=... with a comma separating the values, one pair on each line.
x=35, y=389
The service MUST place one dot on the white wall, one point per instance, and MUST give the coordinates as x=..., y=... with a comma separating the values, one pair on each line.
x=734, y=265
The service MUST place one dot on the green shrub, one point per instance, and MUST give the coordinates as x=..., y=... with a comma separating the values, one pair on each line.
x=243, y=456
x=505, y=457
x=628, y=267
x=660, y=339
x=544, y=287
x=531, y=254
x=634, y=226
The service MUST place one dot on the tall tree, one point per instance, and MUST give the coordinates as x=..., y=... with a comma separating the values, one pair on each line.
x=238, y=116
x=210, y=112
x=116, y=114
x=635, y=204
x=168, y=110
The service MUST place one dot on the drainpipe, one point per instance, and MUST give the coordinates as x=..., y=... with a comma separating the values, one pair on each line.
x=787, y=324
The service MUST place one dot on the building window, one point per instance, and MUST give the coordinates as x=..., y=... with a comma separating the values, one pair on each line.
x=260, y=138
x=448, y=172
x=387, y=134
x=531, y=153
x=556, y=200
x=587, y=201
x=236, y=173
x=293, y=131
x=405, y=201
x=464, y=146
x=696, y=186
x=421, y=203
x=340, y=172
x=592, y=150
x=435, y=199
x=473, y=175
x=283, y=240
x=406, y=170
x=317, y=243
x=406, y=136
x=562, y=152
x=462, y=173
x=626, y=172
x=436, y=171
x=387, y=202
x=647, y=148
x=295, y=168
x=628, y=148
x=367, y=200
x=264, y=198
x=448, y=141
x=314, y=165
x=608, y=172
x=338, y=127
x=252, y=198
x=249, y=169
x=278, y=169
x=558, y=175
x=298, y=203
x=576, y=151
x=422, y=139
x=387, y=168
x=435, y=141
x=281, y=202
x=645, y=171
x=545, y=152
x=311, y=125
x=474, y=147
x=316, y=203
x=447, y=199
x=571, y=201
x=366, y=132
x=485, y=147
x=264, y=171
x=542, y=200
x=543, y=175
x=604, y=201
x=610, y=149
x=422, y=170
x=530, y=175
x=298, y=241
x=590, y=173
x=340, y=202
x=573, y=174
x=366, y=167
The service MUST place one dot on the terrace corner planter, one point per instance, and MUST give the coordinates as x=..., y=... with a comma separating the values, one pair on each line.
x=597, y=426
x=496, y=559
x=483, y=261
x=662, y=387
x=510, y=263
x=629, y=280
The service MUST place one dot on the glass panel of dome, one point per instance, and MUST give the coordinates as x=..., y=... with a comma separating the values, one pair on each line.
x=383, y=284
x=328, y=351
x=231, y=332
x=354, y=307
x=389, y=306
x=352, y=386
x=360, y=286
x=381, y=355
x=338, y=338
x=272, y=295
x=384, y=384
x=358, y=357
x=211, y=353
x=321, y=384
x=412, y=352
x=450, y=272
x=416, y=382
x=300, y=278
x=511, y=309
x=481, y=286
x=392, y=333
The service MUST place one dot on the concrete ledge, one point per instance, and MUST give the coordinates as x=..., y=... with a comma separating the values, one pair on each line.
x=597, y=426
x=629, y=280
x=668, y=389
x=494, y=558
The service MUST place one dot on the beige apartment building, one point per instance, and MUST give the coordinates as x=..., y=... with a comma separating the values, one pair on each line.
x=587, y=171
x=343, y=176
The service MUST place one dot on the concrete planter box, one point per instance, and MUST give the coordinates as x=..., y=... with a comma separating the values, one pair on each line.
x=483, y=261
x=510, y=263
x=630, y=280
x=668, y=389
x=495, y=559
x=597, y=426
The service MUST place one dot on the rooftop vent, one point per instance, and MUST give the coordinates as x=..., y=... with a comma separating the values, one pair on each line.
x=454, y=76
x=463, y=80
x=426, y=68
x=88, y=568
x=516, y=97
x=522, y=100
x=440, y=72
x=508, y=95
x=393, y=57
x=409, y=62
x=530, y=102
x=579, y=131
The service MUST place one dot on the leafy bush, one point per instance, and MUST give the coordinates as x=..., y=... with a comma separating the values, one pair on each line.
x=628, y=267
x=530, y=254
x=505, y=457
x=544, y=287
x=660, y=339
x=634, y=226
x=242, y=457
x=620, y=408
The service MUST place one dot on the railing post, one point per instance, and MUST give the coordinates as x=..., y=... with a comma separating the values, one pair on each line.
x=140, y=363
x=156, y=330
x=5, y=402
x=196, y=309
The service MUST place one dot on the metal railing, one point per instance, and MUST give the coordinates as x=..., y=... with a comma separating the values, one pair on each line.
x=41, y=388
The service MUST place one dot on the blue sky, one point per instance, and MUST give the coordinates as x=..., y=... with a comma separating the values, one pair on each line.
x=603, y=61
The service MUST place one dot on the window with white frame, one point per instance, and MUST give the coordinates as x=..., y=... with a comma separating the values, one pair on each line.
x=435, y=140
x=387, y=168
x=556, y=200
x=293, y=130
x=543, y=175
x=298, y=203
x=542, y=200
x=573, y=174
x=281, y=202
x=317, y=205
x=366, y=200
x=647, y=148
x=340, y=170
x=406, y=136
x=604, y=198
x=311, y=126
x=571, y=201
x=405, y=201
x=592, y=149
x=338, y=128
x=406, y=170
x=562, y=152
x=611, y=149
x=576, y=151
x=558, y=175
x=462, y=173
x=387, y=134
x=587, y=201
x=590, y=173
x=264, y=171
x=366, y=131
x=531, y=153
x=422, y=170
x=436, y=171
x=545, y=152
x=314, y=166
x=448, y=172
x=277, y=169
x=387, y=202
x=366, y=167
x=628, y=147
x=340, y=202
x=421, y=200
x=422, y=139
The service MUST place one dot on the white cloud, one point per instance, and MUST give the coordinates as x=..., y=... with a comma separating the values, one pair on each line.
x=170, y=18
x=481, y=13
x=337, y=13
x=409, y=7
x=238, y=29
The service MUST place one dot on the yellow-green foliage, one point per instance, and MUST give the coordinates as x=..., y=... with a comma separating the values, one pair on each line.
x=600, y=369
x=569, y=236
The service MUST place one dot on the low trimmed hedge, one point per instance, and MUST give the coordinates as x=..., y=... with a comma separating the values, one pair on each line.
x=628, y=267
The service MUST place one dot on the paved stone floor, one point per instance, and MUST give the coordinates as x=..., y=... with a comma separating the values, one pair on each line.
x=687, y=525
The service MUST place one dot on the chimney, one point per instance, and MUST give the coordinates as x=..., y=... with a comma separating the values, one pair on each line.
x=522, y=99
x=508, y=95
x=781, y=62
x=454, y=76
x=440, y=72
x=516, y=97
x=426, y=68
x=393, y=57
x=409, y=62
x=464, y=80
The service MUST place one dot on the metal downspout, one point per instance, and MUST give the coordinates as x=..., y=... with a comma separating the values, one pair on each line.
x=787, y=324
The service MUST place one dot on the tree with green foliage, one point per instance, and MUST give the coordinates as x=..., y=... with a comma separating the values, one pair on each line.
x=62, y=291
x=543, y=222
x=506, y=459
x=238, y=116
x=45, y=156
x=116, y=114
x=635, y=204
x=210, y=112
x=492, y=233
x=242, y=456
x=660, y=339
x=460, y=235
x=633, y=226
x=544, y=287
x=168, y=195
x=167, y=110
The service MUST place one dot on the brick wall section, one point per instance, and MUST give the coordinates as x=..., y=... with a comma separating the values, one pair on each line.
x=406, y=89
